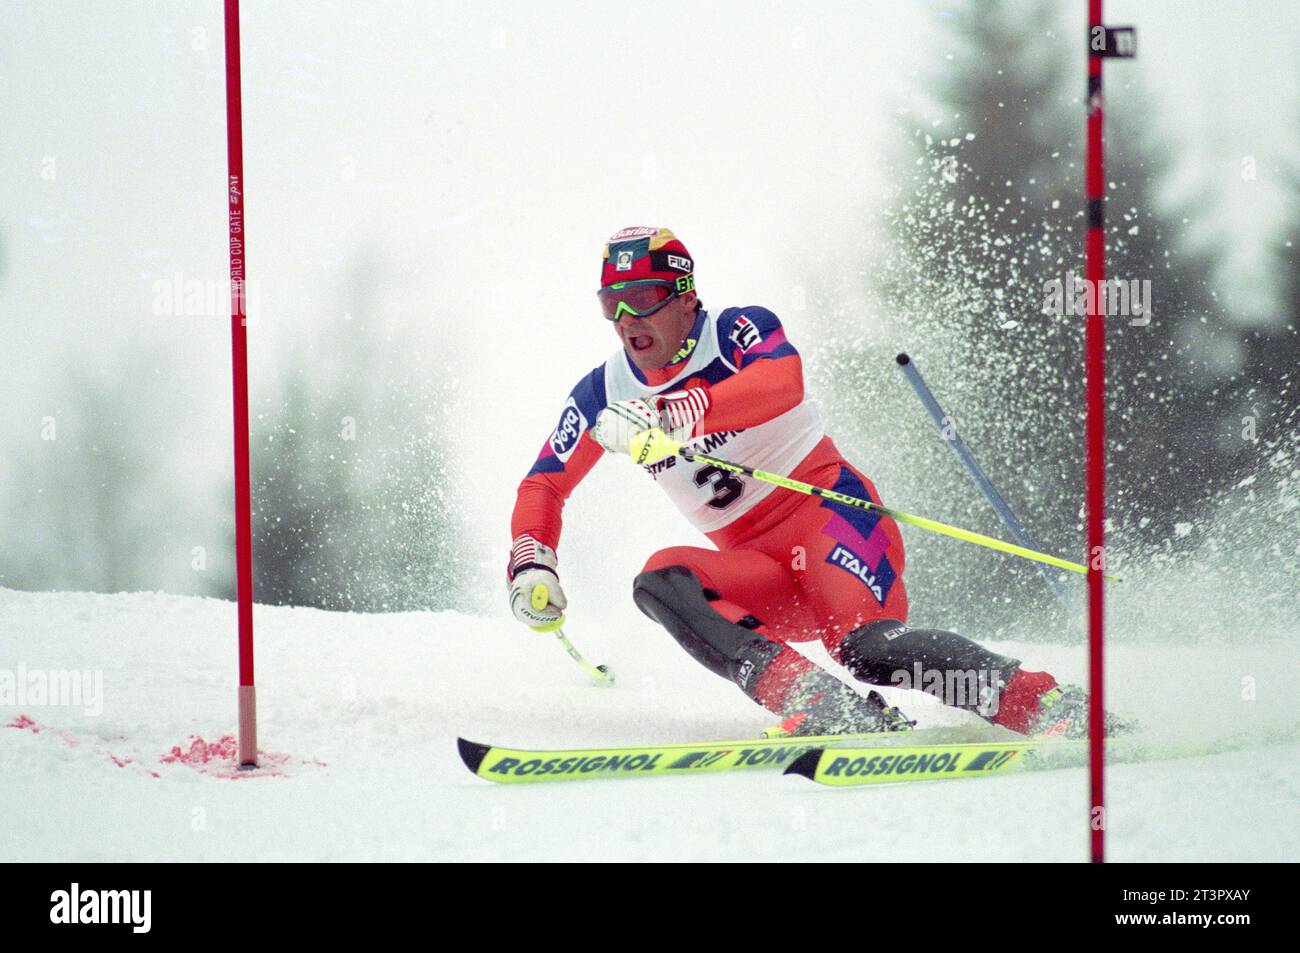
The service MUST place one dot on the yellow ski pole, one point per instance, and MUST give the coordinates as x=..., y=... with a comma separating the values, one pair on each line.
x=539, y=597
x=651, y=446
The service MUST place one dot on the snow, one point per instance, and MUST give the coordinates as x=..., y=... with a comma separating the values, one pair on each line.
x=359, y=716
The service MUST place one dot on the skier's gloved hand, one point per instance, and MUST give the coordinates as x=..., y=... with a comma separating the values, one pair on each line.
x=536, y=598
x=677, y=414
x=622, y=420
x=681, y=411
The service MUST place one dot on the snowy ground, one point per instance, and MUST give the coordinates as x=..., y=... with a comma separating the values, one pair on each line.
x=359, y=716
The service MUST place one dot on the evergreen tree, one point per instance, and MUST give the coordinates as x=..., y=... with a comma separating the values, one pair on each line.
x=992, y=213
x=1001, y=216
x=351, y=504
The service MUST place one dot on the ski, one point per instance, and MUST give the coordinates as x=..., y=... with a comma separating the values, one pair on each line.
x=524, y=766
x=850, y=765
x=854, y=766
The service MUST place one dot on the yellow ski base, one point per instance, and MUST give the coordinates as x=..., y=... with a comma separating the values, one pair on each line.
x=854, y=767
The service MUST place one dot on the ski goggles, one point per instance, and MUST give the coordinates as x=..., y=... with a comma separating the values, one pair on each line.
x=641, y=297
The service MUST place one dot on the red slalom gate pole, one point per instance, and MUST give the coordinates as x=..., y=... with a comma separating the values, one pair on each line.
x=239, y=377
x=1103, y=42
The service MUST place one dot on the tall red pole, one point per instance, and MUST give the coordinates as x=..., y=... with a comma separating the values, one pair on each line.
x=239, y=376
x=1095, y=456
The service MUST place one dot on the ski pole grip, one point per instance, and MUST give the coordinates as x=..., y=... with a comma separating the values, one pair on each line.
x=651, y=446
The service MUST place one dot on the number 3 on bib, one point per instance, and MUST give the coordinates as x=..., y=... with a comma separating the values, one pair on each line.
x=727, y=487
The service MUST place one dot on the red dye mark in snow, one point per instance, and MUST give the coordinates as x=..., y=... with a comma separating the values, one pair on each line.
x=219, y=759
x=215, y=758
x=24, y=723
x=202, y=752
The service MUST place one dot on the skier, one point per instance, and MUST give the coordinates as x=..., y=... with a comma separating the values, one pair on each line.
x=787, y=567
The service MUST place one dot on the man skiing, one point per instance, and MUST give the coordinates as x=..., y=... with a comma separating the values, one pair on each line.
x=787, y=567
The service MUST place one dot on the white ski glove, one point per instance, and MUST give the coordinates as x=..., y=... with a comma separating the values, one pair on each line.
x=536, y=598
x=622, y=420
x=677, y=414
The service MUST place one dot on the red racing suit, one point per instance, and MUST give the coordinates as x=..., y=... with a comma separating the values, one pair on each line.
x=803, y=567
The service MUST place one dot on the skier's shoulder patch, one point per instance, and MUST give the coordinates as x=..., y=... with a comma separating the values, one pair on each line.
x=743, y=331
x=745, y=327
x=569, y=430
x=585, y=401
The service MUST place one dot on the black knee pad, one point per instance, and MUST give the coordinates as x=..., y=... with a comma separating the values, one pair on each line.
x=875, y=651
x=677, y=600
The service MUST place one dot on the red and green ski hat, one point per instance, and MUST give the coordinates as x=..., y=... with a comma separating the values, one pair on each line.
x=644, y=251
